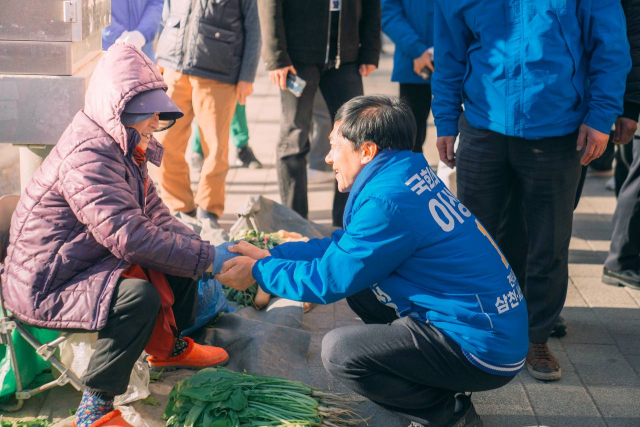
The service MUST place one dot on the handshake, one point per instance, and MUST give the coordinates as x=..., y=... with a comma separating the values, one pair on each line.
x=233, y=264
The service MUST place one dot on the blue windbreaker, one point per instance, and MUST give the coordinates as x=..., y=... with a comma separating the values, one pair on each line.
x=529, y=68
x=128, y=15
x=409, y=23
x=422, y=252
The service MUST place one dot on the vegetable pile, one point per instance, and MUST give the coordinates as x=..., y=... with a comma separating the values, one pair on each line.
x=217, y=397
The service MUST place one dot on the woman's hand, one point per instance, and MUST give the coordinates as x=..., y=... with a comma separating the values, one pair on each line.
x=247, y=249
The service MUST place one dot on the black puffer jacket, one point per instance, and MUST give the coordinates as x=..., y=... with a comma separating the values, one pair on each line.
x=213, y=39
x=632, y=93
x=297, y=31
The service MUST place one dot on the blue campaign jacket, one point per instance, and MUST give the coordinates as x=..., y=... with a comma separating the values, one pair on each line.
x=422, y=252
x=530, y=69
x=409, y=23
x=129, y=15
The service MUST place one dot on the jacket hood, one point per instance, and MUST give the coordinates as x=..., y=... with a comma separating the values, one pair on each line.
x=122, y=73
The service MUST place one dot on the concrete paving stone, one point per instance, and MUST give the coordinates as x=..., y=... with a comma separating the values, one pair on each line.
x=622, y=422
x=601, y=365
x=635, y=294
x=588, y=256
x=584, y=327
x=597, y=294
x=599, y=245
x=314, y=358
x=634, y=362
x=508, y=400
x=585, y=270
x=379, y=416
x=555, y=345
x=617, y=402
x=571, y=421
x=564, y=398
x=574, y=298
x=578, y=243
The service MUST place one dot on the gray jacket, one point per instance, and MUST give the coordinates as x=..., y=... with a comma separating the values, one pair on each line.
x=213, y=39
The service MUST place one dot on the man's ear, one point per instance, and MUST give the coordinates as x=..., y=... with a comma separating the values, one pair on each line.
x=369, y=151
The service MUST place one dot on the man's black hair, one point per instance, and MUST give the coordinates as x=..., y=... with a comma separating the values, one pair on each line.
x=385, y=121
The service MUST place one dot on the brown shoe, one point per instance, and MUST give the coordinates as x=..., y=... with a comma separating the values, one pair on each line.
x=541, y=363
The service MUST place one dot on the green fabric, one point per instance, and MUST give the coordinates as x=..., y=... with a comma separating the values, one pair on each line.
x=29, y=363
x=239, y=132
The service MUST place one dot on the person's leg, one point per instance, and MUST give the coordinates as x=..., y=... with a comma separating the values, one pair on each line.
x=295, y=122
x=408, y=367
x=625, y=240
x=549, y=171
x=185, y=300
x=239, y=128
x=369, y=309
x=418, y=97
x=213, y=105
x=173, y=173
x=484, y=176
x=132, y=316
x=321, y=126
x=624, y=158
x=339, y=86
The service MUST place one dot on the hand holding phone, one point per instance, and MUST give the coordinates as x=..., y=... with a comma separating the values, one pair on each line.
x=295, y=84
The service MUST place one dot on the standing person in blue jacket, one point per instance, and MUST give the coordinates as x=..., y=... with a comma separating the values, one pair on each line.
x=409, y=23
x=135, y=22
x=542, y=83
x=442, y=308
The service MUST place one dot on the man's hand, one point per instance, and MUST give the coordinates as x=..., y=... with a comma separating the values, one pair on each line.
x=279, y=77
x=236, y=273
x=247, y=249
x=625, y=129
x=424, y=60
x=445, y=146
x=596, y=143
x=243, y=90
x=366, y=69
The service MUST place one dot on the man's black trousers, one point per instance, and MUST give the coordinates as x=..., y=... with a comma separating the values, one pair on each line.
x=624, y=253
x=134, y=309
x=406, y=366
x=337, y=86
x=418, y=97
x=534, y=183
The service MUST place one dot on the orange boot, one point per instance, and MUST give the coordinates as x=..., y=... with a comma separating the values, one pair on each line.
x=112, y=419
x=196, y=356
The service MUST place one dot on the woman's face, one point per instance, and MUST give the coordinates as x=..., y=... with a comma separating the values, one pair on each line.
x=147, y=127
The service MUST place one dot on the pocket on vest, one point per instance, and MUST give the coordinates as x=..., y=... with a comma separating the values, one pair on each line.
x=215, y=49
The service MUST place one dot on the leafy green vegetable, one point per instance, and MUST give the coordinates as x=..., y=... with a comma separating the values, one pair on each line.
x=217, y=397
x=150, y=401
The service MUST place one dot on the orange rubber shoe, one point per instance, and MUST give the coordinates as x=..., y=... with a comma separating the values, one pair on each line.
x=196, y=356
x=112, y=419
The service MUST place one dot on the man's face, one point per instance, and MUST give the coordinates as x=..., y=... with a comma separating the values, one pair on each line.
x=346, y=162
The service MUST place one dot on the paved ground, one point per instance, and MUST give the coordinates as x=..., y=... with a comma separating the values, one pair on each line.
x=600, y=356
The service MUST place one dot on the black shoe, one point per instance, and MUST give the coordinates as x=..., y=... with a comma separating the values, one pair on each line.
x=246, y=159
x=203, y=216
x=629, y=278
x=560, y=328
x=467, y=416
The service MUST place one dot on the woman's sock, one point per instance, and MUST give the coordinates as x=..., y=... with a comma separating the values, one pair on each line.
x=179, y=347
x=92, y=408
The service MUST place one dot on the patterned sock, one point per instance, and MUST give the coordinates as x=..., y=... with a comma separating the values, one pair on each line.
x=92, y=408
x=179, y=347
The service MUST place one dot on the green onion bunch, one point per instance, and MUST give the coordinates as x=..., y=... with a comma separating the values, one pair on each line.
x=218, y=397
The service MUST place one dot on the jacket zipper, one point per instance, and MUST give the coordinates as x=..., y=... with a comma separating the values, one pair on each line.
x=339, y=34
x=326, y=57
x=104, y=288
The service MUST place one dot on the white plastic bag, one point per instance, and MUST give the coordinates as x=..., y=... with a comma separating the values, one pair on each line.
x=75, y=353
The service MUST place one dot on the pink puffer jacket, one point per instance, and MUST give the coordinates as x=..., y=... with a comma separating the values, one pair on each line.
x=83, y=218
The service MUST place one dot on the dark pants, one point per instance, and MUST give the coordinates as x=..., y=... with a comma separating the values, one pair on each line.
x=534, y=183
x=405, y=366
x=418, y=97
x=337, y=86
x=132, y=315
x=624, y=253
x=624, y=159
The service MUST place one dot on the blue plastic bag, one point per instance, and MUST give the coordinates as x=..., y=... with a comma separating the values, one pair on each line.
x=211, y=302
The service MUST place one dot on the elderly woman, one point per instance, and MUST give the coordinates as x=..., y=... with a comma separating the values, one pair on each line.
x=92, y=246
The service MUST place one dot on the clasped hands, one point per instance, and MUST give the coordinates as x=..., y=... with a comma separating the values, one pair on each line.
x=237, y=272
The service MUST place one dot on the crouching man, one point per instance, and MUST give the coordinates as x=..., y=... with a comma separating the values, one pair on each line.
x=442, y=308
